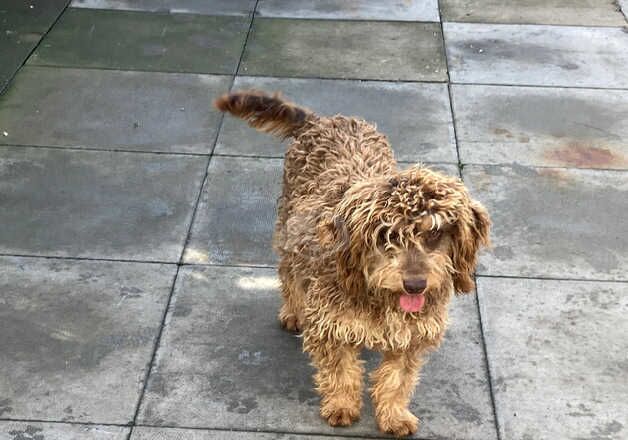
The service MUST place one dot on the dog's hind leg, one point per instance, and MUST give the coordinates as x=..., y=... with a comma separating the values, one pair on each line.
x=338, y=380
x=393, y=383
x=291, y=311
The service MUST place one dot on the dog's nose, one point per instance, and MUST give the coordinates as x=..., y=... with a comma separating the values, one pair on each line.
x=414, y=285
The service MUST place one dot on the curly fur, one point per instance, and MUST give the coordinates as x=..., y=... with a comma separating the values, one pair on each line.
x=352, y=230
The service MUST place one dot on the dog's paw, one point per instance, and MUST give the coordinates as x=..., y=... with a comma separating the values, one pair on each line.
x=291, y=323
x=340, y=416
x=398, y=423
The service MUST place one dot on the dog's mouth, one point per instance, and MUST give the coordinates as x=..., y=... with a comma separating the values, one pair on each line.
x=412, y=302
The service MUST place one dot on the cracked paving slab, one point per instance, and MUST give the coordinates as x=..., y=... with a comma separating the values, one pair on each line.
x=553, y=222
x=557, y=353
x=224, y=362
x=139, y=111
x=416, y=118
x=77, y=336
x=542, y=126
x=96, y=204
x=537, y=55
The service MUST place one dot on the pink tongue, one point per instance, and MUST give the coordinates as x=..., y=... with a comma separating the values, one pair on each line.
x=412, y=302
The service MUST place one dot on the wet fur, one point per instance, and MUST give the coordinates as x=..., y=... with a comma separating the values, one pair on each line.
x=351, y=226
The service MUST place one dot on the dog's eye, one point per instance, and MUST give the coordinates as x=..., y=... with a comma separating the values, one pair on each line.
x=385, y=236
x=432, y=237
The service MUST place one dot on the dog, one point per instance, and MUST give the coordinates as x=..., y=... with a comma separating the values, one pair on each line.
x=370, y=255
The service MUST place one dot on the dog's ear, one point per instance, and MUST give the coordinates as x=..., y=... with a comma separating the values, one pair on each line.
x=473, y=232
x=335, y=237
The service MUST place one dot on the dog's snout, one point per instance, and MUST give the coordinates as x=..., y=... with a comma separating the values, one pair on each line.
x=414, y=285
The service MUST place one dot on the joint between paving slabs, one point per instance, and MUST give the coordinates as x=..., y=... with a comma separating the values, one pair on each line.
x=185, y=244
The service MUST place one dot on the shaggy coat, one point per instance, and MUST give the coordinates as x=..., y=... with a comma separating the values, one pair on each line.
x=370, y=255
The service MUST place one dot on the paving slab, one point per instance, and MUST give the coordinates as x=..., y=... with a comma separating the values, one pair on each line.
x=559, y=12
x=542, y=126
x=235, y=218
x=145, y=433
x=345, y=49
x=408, y=10
x=553, y=222
x=140, y=111
x=224, y=362
x=144, y=41
x=205, y=7
x=77, y=336
x=22, y=24
x=415, y=117
x=537, y=55
x=96, y=204
x=558, y=360
x=59, y=431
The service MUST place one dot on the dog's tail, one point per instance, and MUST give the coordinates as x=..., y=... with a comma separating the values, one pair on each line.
x=267, y=113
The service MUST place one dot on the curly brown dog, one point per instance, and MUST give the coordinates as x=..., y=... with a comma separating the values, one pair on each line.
x=370, y=255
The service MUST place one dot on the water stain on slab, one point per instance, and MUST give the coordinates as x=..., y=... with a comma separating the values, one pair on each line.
x=556, y=221
x=29, y=433
x=81, y=340
x=558, y=114
x=5, y=406
x=536, y=55
x=546, y=127
x=503, y=132
x=584, y=155
x=527, y=53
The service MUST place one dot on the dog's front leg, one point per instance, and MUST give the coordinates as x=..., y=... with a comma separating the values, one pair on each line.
x=338, y=381
x=393, y=383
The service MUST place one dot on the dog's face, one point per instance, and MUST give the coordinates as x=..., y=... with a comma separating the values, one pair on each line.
x=413, y=235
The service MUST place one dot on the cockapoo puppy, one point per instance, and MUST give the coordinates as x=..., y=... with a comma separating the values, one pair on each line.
x=370, y=255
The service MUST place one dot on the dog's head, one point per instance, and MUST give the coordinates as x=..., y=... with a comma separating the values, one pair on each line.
x=414, y=234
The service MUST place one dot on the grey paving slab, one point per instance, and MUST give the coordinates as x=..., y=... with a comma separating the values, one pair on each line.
x=206, y=7
x=59, y=431
x=143, y=433
x=33, y=15
x=542, y=126
x=77, y=336
x=402, y=10
x=561, y=12
x=537, y=55
x=235, y=218
x=22, y=24
x=345, y=49
x=96, y=204
x=557, y=351
x=225, y=363
x=553, y=222
x=415, y=117
x=142, y=111
x=144, y=41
